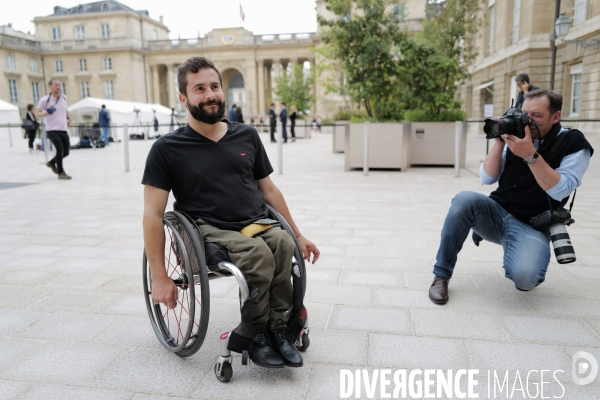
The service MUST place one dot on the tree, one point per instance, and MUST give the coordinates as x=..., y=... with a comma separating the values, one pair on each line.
x=295, y=88
x=365, y=38
x=437, y=59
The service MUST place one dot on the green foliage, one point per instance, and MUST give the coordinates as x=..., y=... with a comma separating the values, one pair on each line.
x=295, y=89
x=383, y=68
x=364, y=39
x=442, y=116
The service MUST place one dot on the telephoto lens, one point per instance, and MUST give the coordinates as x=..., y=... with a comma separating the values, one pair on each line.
x=563, y=249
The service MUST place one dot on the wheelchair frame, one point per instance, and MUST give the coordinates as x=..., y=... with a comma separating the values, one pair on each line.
x=182, y=330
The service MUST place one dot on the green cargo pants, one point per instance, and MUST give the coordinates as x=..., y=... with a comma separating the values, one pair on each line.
x=266, y=262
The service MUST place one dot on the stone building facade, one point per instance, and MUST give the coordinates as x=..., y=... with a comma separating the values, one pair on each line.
x=518, y=38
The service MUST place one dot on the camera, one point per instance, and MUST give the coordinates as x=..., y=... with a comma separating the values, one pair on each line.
x=51, y=110
x=513, y=122
x=557, y=221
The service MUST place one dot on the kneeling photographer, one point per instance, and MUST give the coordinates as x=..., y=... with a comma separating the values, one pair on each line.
x=537, y=165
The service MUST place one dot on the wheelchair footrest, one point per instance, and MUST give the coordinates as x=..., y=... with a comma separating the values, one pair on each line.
x=239, y=344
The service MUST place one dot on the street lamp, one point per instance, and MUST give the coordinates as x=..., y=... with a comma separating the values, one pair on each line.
x=561, y=29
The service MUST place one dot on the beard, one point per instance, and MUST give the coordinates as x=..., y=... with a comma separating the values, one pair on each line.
x=211, y=118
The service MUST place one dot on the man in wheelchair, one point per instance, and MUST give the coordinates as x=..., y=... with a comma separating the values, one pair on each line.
x=219, y=174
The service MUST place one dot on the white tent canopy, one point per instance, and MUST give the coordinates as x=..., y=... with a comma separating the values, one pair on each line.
x=122, y=112
x=9, y=114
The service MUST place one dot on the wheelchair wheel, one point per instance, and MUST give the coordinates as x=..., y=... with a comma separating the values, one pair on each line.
x=305, y=342
x=226, y=372
x=181, y=330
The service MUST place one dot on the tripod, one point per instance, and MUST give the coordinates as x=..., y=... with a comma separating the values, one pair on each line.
x=137, y=127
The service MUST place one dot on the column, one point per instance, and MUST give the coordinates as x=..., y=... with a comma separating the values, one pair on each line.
x=155, y=85
x=313, y=70
x=171, y=86
x=260, y=106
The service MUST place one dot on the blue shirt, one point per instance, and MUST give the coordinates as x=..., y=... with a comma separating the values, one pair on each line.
x=103, y=119
x=231, y=114
x=571, y=170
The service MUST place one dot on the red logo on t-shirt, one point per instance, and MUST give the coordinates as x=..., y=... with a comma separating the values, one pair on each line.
x=242, y=154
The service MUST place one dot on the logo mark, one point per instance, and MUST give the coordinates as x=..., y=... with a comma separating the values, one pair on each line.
x=584, y=363
x=243, y=154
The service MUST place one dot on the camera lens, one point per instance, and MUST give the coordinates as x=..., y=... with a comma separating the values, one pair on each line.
x=561, y=241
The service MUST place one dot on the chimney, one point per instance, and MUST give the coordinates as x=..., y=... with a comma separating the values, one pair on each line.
x=160, y=19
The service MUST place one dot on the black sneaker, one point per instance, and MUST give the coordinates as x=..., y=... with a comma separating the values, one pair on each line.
x=263, y=353
x=284, y=344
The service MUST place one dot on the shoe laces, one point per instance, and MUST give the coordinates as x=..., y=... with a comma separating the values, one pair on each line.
x=283, y=334
x=263, y=340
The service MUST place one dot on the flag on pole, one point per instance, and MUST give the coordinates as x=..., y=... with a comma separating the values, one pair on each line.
x=242, y=15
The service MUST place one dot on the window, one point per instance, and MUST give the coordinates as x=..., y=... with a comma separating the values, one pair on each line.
x=82, y=64
x=10, y=62
x=105, y=31
x=109, y=90
x=58, y=65
x=33, y=65
x=63, y=88
x=491, y=32
x=79, y=32
x=14, y=92
x=576, y=75
x=56, y=33
x=400, y=11
x=36, y=91
x=106, y=64
x=579, y=16
x=516, y=20
x=85, y=89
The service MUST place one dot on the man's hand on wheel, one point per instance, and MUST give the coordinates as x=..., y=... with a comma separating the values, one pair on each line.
x=164, y=291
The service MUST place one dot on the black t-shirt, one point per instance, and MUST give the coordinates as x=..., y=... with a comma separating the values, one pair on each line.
x=215, y=181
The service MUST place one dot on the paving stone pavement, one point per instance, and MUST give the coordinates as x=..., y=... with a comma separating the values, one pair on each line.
x=73, y=322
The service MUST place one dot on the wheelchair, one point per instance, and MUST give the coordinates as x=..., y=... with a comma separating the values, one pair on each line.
x=182, y=330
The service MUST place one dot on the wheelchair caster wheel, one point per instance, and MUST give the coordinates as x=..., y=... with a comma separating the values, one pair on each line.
x=305, y=342
x=226, y=372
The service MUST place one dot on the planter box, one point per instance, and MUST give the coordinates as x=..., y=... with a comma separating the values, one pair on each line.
x=339, y=135
x=433, y=143
x=388, y=145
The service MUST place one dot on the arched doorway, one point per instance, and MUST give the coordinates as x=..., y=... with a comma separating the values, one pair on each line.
x=233, y=86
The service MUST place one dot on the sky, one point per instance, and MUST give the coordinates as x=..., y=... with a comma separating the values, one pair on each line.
x=186, y=18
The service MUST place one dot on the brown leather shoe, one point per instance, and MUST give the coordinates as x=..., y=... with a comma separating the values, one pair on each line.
x=438, y=292
x=63, y=175
x=52, y=167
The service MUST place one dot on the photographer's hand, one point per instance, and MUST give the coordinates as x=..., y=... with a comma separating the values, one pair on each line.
x=544, y=175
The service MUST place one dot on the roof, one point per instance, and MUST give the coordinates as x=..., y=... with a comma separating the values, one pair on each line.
x=98, y=6
x=7, y=106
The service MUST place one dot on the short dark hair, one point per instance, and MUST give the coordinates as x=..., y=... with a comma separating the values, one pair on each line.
x=103, y=106
x=29, y=107
x=193, y=65
x=272, y=104
x=233, y=105
x=52, y=80
x=283, y=102
x=555, y=100
x=522, y=78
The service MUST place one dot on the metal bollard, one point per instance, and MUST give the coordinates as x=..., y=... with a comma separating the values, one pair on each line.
x=280, y=152
x=126, y=146
x=44, y=139
x=457, y=145
x=10, y=136
x=366, y=149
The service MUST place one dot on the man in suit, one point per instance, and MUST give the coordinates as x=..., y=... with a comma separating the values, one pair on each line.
x=524, y=87
x=104, y=122
x=272, y=121
x=283, y=118
x=232, y=112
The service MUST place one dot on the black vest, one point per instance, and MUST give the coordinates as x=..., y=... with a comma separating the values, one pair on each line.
x=518, y=192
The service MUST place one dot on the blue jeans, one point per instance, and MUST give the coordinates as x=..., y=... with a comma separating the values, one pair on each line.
x=526, y=251
x=104, y=136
